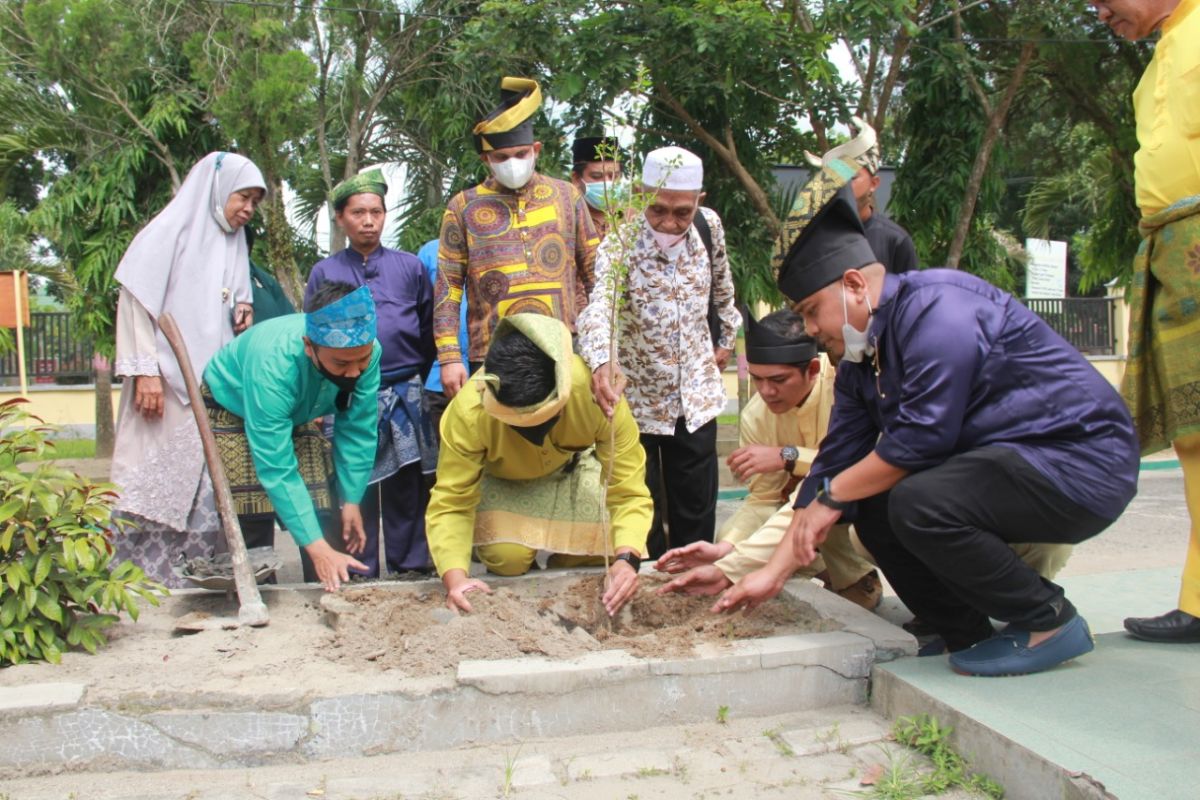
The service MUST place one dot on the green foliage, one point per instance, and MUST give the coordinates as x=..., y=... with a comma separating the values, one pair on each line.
x=943, y=127
x=928, y=737
x=709, y=75
x=60, y=587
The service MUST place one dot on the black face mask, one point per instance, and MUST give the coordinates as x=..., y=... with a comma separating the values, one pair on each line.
x=345, y=385
x=536, y=434
x=343, y=382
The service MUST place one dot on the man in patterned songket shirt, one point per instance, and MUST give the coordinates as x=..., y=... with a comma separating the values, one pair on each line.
x=665, y=347
x=519, y=242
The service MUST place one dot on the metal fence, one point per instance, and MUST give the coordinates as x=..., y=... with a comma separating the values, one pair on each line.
x=1086, y=322
x=54, y=352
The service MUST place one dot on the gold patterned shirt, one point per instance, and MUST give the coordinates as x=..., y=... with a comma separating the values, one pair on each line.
x=529, y=250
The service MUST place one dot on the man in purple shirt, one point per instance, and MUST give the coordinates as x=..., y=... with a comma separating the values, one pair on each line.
x=407, y=449
x=961, y=423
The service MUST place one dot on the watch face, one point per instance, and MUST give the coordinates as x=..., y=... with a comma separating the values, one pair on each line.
x=790, y=453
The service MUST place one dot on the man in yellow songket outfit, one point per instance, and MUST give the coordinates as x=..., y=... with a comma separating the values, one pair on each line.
x=1162, y=376
x=517, y=473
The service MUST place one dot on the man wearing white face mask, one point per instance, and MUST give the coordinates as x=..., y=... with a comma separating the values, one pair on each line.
x=518, y=242
x=596, y=173
x=961, y=424
x=665, y=346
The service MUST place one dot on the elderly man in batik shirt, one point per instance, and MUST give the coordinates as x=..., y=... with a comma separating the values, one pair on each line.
x=665, y=347
x=518, y=242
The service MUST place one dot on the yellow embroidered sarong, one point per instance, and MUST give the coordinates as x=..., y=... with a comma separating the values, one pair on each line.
x=1162, y=377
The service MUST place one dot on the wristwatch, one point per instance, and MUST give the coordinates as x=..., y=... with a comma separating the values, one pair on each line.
x=630, y=559
x=789, y=454
x=825, y=498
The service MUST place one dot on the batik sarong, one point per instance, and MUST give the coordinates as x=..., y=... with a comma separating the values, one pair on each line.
x=250, y=500
x=561, y=512
x=1162, y=376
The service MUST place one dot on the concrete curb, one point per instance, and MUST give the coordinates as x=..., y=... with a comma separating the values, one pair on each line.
x=54, y=727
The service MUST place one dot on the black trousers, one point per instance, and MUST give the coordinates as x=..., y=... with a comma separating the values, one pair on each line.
x=681, y=472
x=941, y=537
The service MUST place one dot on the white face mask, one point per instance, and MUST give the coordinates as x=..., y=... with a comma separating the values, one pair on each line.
x=857, y=343
x=513, y=173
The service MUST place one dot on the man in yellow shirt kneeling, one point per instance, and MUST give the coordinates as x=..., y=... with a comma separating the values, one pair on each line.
x=524, y=455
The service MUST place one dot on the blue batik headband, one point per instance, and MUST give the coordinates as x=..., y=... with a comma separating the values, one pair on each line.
x=348, y=322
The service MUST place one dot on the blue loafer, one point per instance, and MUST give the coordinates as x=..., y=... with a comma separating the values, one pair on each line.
x=1009, y=653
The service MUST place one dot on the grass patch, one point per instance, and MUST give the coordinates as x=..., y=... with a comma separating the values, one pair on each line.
x=727, y=419
x=63, y=448
x=905, y=780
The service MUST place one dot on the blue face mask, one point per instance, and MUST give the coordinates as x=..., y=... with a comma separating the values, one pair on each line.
x=602, y=194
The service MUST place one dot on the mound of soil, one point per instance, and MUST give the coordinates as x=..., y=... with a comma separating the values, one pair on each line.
x=387, y=632
x=415, y=634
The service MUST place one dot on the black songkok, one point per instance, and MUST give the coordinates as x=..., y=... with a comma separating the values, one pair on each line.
x=510, y=123
x=764, y=346
x=833, y=242
x=588, y=148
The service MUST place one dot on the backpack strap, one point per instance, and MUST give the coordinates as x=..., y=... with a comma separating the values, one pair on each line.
x=700, y=223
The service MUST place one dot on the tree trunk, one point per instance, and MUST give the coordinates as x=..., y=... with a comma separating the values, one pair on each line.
x=724, y=151
x=280, y=252
x=991, y=135
x=105, y=432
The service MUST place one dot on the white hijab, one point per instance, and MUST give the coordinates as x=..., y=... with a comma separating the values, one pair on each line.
x=190, y=262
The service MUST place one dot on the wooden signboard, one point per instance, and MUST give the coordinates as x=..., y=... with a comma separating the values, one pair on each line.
x=8, y=300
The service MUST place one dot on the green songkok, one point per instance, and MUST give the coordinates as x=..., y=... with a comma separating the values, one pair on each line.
x=369, y=182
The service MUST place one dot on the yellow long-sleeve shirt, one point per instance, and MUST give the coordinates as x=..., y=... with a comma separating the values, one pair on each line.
x=473, y=442
x=803, y=427
x=1167, y=106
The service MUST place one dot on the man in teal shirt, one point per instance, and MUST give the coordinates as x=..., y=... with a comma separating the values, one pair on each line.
x=277, y=378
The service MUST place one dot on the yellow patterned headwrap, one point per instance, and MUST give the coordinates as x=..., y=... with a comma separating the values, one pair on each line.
x=551, y=337
x=509, y=125
x=812, y=197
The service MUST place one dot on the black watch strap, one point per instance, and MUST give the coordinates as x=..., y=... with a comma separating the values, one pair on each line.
x=630, y=559
x=826, y=499
x=789, y=454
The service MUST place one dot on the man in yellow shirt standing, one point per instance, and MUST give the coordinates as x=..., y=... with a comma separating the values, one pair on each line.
x=1162, y=376
x=516, y=474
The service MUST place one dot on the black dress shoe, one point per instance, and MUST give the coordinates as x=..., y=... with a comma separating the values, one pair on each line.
x=1174, y=626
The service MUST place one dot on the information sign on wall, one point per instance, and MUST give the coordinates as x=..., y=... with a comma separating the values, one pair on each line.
x=1046, y=273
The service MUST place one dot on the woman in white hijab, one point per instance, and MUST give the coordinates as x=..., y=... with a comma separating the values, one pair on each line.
x=191, y=260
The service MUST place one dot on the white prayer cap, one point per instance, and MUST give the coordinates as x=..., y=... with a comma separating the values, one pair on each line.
x=673, y=168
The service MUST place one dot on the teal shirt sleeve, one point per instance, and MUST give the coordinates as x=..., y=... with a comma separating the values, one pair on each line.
x=356, y=432
x=269, y=390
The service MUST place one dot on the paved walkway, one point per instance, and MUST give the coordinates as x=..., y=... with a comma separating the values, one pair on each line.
x=1126, y=715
